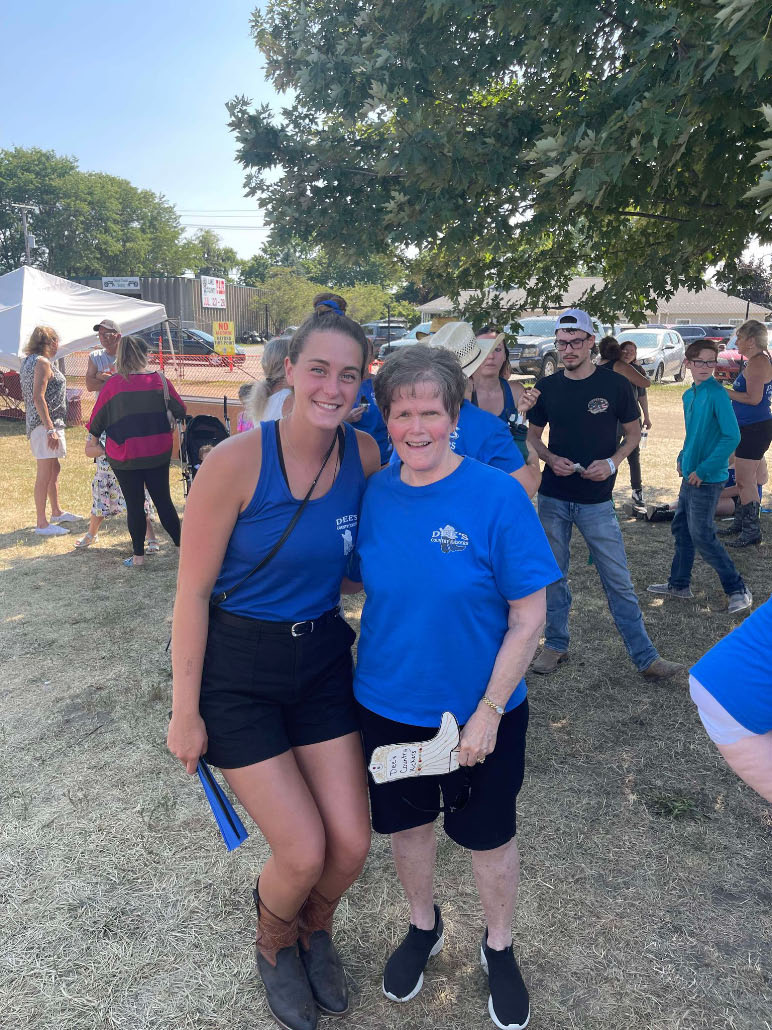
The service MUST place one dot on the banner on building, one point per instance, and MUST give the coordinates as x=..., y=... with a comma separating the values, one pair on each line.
x=121, y=283
x=224, y=334
x=212, y=292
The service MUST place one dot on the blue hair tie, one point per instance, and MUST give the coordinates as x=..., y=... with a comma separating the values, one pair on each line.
x=330, y=304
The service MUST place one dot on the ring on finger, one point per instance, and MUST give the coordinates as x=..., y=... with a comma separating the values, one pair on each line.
x=481, y=759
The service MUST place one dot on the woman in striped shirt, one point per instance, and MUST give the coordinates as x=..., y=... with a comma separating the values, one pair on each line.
x=131, y=410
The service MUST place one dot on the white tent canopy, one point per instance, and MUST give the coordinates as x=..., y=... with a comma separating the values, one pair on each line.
x=29, y=297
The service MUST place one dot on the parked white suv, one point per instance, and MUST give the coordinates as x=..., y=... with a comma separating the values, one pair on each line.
x=661, y=352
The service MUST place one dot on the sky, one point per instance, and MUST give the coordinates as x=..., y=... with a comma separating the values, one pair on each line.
x=138, y=90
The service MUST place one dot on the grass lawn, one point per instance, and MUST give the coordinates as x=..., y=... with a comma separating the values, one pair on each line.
x=646, y=899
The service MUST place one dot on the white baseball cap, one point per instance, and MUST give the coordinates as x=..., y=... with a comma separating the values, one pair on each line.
x=575, y=318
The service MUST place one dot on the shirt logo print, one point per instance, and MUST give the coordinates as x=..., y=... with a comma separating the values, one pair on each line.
x=450, y=539
x=346, y=526
x=597, y=405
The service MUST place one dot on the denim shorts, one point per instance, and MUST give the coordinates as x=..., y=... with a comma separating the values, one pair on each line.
x=265, y=691
x=480, y=811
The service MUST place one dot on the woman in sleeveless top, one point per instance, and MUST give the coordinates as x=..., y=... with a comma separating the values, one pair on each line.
x=44, y=390
x=269, y=398
x=262, y=663
x=489, y=388
x=752, y=403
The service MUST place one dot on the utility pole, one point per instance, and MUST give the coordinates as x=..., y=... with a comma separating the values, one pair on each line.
x=24, y=208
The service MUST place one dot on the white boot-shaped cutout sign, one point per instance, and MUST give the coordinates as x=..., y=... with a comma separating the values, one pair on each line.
x=433, y=757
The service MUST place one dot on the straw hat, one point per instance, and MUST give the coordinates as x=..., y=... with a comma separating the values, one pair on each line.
x=459, y=339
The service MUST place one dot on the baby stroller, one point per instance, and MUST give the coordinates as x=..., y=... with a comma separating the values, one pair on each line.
x=200, y=430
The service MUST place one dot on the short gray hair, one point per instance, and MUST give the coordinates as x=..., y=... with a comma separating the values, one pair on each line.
x=411, y=365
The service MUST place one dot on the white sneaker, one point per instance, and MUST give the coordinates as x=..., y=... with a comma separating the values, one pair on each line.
x=66, y=516
x=740, y=601
x=52, y=531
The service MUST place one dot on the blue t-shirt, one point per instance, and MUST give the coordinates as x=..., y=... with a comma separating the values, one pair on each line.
x=484, y=437
x=372, y=421
x=303, y=580
x=439, y=564
x=736, y=671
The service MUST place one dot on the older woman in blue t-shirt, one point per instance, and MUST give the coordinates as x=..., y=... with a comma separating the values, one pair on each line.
x=463, y=540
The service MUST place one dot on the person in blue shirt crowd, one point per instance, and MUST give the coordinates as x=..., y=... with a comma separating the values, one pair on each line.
x=489, y=388
x=584, y=405
x=367, y=417
x=711, y=436
x=473, y=624
x=261, y=656
x=732, y=689
x=477, y=433
x=751, y=397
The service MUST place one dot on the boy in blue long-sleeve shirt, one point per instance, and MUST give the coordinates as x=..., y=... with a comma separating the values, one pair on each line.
x=712, y=434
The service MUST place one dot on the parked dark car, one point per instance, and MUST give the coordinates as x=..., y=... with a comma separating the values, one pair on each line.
x=193, y=346
x=383, y=332
x=718, y=334
x=533, y=350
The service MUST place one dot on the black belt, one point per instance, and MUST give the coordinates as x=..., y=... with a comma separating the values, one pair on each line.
x=294, y=629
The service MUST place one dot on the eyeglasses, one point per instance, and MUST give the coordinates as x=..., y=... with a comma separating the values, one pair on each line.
x=704, y=364
x=572, y=344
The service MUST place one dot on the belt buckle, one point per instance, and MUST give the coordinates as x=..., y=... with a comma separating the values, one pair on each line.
x=296, y=630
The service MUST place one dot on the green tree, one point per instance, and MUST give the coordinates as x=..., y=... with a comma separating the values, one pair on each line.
x=519, y=141
x=254, y=270
x=84, y=223
x=206, y=255
x=751, y=280
x=289, y=297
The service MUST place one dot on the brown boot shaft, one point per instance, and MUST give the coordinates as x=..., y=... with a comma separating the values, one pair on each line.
x=273, y=933
x=316, y=914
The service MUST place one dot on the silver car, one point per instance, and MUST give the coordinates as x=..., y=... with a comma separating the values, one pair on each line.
x=661, y=352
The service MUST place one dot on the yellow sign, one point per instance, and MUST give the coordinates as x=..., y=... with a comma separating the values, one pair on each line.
x=224, y=334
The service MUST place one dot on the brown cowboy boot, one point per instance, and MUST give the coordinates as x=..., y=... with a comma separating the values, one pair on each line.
x=317, y=952
x=278, y=961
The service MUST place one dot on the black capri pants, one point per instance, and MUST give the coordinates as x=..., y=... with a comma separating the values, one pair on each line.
x=132, y=483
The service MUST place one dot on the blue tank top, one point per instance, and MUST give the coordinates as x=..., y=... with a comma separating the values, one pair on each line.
x=749, y=413
x=303, y=580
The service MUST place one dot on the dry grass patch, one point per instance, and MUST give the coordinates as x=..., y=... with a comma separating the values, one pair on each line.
x=645, y=901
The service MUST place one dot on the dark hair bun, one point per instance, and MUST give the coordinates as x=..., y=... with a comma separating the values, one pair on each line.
x=321, y=306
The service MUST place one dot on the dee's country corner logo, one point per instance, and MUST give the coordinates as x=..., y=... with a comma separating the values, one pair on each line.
x=450, y=539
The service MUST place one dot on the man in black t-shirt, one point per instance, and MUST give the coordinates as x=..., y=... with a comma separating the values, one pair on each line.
x=582, y=404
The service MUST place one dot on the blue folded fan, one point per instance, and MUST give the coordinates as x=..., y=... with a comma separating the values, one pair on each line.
x=231, y=827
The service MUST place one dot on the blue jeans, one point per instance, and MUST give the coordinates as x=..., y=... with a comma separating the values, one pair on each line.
x=693, y=530
x=599, y=527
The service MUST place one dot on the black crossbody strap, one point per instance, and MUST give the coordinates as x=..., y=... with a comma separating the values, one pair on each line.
x=338, y=438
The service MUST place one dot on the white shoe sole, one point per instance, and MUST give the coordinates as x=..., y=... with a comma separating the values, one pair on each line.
x=491, y=1011
x=408, y=997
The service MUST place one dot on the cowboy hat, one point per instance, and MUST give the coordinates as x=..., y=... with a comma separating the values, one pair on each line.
x=459, y=339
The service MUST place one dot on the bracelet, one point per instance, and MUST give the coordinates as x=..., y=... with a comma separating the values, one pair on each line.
x=492, y=704
x=611, y=465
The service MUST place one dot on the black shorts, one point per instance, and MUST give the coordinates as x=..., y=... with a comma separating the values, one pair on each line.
x=755, y=438
x=264, y=691
x=479, y=800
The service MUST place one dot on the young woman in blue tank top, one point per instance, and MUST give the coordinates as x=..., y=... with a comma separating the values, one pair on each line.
x=752, y=403
x=489, y=388
x=262, y=666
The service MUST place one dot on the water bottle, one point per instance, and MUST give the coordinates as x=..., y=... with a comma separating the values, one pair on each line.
x=644, y=438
